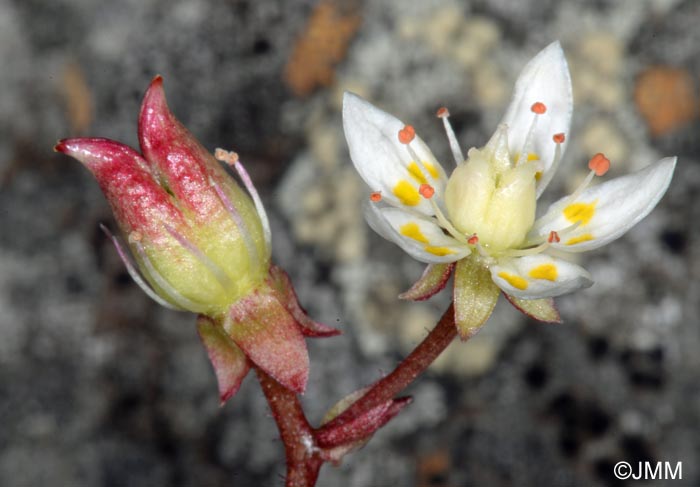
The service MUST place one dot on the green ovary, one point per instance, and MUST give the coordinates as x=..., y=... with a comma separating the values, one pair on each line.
x=496, y=205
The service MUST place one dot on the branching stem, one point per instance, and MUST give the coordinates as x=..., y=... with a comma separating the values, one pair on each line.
x=304, y=457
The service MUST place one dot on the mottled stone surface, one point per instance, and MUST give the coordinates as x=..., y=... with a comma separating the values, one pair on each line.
x=99, y=386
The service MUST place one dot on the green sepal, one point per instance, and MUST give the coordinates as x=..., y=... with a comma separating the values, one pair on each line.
x=538, y=309
x=475, y=296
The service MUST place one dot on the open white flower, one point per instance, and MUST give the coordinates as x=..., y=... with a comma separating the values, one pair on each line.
x=481, y=221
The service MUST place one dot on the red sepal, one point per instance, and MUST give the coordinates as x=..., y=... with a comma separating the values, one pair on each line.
x=271, y=338
x=279, y=281
x=139, y=202
x=337, y=441
x=176, y=155
x=229, y=362
x=363, y=426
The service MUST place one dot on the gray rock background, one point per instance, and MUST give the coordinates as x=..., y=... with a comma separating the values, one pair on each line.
x=99, y=386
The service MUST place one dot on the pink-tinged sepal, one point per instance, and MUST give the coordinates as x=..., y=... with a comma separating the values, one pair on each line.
x=139, y=203
x=538, y=309
x=229, y=362
x=338, y=441
x=433, y=280
x=281, y=284
x=269, y=335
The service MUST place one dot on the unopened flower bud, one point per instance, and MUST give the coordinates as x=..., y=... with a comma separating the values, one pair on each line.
x=196, y=236
x=201, y=243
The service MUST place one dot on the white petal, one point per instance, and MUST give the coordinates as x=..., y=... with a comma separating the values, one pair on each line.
x=544, y=79
x=383, y=162
x=539, y=276
x=420, y=237
x=608, y=210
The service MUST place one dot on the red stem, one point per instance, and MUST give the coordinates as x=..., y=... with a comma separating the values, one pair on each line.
x=296, y=433
x=404, y=374
x=303, y=461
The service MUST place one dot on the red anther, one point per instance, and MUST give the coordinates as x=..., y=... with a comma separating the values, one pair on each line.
x=599, y=164
x=473, y=240
x=426, y=190
x=443, y=112
x=559, y=138
x=553, y=237
x=375, y=197
x=538, y=107
x=407, y=134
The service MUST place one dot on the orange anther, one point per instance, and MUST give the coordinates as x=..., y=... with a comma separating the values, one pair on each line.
x=426, y=190
x=407, y=134
x=473, y=240
x=559, y=138
x=443, y=112
x=553, y=237
x=375, y=197
x=227, y=157
x=599, y=164
x=538, y=107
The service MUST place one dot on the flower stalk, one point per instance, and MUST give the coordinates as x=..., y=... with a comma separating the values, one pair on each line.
x=307, y=449
x=405, y=373
x=303, y=462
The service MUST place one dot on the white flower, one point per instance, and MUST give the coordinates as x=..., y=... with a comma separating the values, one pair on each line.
x=483, y=217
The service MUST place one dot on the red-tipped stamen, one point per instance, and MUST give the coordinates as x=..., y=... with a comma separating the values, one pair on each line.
x=599, y=164
x=426, y=191
x=539, y=108
x=546, y=175
x=226, y=156
x=553, y=237
x=375, y=197
x=407, y=134
x=473, y=240
x=444, y=114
